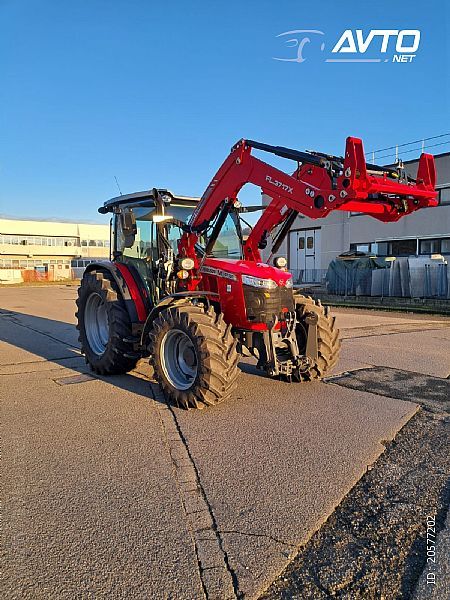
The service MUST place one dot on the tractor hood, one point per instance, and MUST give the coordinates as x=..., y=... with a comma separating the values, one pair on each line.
x=221, y=267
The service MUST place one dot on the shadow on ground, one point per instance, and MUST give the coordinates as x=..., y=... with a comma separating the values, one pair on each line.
x=57, y=342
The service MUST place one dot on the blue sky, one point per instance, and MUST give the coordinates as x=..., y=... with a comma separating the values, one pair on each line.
x=156, y=93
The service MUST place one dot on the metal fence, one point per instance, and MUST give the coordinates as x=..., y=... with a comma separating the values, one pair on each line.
x=398, y=280
x=304, y=276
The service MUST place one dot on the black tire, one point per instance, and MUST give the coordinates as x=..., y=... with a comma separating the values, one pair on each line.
x=213, y=367
x=329, y=343
x=117, y=355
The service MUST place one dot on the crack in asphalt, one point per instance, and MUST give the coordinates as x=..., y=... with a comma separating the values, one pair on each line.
x=346, y=333
x=174, y=475
x=209, y=525
x=43, y=360
x=31, y=372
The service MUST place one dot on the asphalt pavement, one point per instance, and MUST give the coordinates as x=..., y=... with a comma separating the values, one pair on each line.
x=108, y=492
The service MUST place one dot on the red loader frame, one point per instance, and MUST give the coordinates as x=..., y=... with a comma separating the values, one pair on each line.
x=320, y=184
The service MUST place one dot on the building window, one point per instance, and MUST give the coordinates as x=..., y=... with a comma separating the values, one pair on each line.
x=445, y=246
x=395, y=248
x=435, y=246
x=429, y=246
x=444, y=195
x=309, y=242
x=30, y=240
x=383, y=248
x=367, y=248
x=403, y=247
x=301, y=243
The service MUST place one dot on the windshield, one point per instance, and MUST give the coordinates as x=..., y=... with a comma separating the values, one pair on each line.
x=145, y=241
x=228, y=243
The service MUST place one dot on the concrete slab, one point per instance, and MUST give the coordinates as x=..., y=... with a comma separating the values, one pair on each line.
x=420, y=352
x=37, y=324
x=276, y=461
x=32, y=343
x=41, y=301
x=90, y=505
x=90, y=460
x=350, y=318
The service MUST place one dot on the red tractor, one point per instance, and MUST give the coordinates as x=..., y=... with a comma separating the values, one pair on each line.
x=186, y=290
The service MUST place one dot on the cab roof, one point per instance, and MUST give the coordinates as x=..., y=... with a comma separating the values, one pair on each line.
x=146, y=197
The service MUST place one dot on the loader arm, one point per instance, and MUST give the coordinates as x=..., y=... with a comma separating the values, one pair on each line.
x=320, y=184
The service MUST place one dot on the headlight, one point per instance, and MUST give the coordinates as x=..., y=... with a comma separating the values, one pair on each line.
x=183, y=274
x=187, y=264
x=289, y=283
x=257, y=282
x=280, y=262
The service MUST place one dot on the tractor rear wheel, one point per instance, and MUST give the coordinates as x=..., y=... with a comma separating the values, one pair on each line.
x=328, y=342
x=193, y=354
x=104, y=325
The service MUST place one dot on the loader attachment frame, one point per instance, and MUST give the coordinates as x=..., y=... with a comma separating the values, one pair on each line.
x=320, y=184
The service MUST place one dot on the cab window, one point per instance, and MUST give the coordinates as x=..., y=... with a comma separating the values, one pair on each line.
x=228, y=243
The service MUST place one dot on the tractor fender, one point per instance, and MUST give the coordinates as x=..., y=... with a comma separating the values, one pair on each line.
x=127, y=286
x=174, y=300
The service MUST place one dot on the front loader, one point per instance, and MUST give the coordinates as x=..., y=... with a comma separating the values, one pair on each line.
x=185, y=289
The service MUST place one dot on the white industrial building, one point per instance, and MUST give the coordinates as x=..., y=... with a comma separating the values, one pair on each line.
x=48, y=248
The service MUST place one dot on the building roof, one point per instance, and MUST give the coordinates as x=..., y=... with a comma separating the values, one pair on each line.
x=147, y=195
x=53, y=228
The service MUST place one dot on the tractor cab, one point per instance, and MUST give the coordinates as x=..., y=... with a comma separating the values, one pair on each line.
x=146, y=227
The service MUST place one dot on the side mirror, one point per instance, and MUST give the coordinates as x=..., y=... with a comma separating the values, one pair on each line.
x=128, y=226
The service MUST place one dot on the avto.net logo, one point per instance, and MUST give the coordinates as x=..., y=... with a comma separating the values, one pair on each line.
x=374, y=46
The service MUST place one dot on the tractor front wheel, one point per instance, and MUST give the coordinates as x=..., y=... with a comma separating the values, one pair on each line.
x=193, y=354
x=328, y=341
